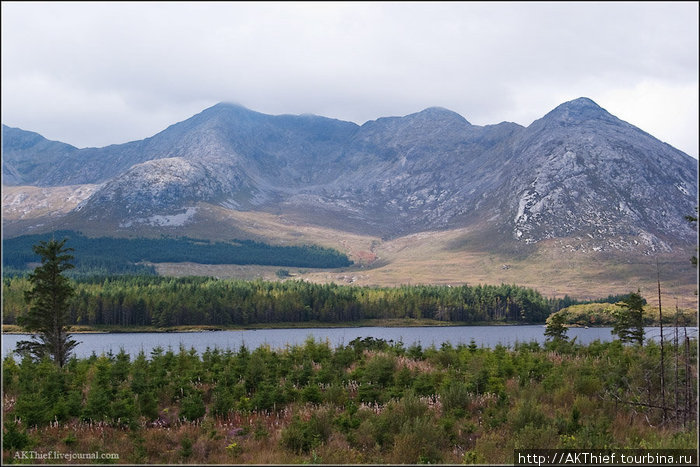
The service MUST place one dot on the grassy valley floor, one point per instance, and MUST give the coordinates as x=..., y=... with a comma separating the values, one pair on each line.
x=450, y=257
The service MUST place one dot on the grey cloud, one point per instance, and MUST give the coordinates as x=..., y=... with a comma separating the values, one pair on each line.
x=157, y=62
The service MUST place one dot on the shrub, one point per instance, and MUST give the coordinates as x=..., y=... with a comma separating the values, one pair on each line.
x=32, y=409
x=320, y=425
x=419, y=441
x=186, y=447
x=370, y=393
x=192, y=407
x=455, y=397
x=263, y=399
x=528, y=413
x=300, y=436
x=536, y=437
x=424, y=384
x=407, y=409
x=13, y=438
x=224, y=401
x=587, y=383
x=595, y=435
x=10, y=372
x=312, y=394
x=148, y=405
x=380, y=370
x=473, y=457
x=336, y=395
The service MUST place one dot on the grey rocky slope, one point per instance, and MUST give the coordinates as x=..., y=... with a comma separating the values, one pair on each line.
x=578, y=172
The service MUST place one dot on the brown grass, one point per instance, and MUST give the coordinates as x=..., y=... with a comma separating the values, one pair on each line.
x=446, y=258
x=452, y=257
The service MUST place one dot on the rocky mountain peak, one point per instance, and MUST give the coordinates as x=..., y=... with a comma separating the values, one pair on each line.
x=18, y=139
x=439, y=114
x=577, y=111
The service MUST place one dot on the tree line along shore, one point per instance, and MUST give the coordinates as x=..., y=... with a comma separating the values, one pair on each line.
x=154, y=303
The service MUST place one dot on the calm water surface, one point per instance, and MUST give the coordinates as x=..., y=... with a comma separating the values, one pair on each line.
x=483, y=336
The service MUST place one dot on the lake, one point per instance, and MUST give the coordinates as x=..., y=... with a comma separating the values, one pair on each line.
x=483, y=336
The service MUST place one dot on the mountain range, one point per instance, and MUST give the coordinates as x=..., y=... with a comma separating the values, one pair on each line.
x=578, y=178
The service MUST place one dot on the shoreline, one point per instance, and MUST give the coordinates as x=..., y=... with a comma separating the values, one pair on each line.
x=84, y=329
x=389, y=323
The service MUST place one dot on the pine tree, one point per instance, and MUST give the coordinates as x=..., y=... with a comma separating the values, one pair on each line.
x=629, y=321
x=556, y=328
x=49, y=300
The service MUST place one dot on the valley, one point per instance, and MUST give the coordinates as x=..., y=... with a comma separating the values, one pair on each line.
x=450, y=258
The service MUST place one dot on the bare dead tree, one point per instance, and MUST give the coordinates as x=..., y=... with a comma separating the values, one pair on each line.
x=661, y=334
x=675, y=347
x=688, y=400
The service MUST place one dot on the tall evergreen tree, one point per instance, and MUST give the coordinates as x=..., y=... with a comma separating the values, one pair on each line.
x=49, y=298
x=629, y=322
x=556, y=328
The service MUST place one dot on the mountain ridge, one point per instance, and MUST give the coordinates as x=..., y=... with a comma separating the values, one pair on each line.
x=577, y=172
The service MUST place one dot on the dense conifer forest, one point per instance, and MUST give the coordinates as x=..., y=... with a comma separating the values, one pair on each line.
x=108, y=255
x=166, y=301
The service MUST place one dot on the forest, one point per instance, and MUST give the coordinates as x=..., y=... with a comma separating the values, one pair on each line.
x=108, y=255
x=370, y=401
x=167, y=301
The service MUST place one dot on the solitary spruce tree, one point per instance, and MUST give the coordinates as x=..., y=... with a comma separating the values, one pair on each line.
x=556, y=328
x=629, y=320
x=48, y=301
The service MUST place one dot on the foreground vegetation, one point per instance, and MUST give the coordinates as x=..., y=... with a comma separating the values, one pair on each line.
x=367, y=402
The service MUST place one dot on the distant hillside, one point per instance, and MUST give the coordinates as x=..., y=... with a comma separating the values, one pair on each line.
x=106, y=255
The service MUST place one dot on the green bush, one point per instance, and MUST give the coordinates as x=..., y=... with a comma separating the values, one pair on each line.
x=13, y=437
x=425, y=384
x=223, y=401
x=192, y=407
x=532, y=436
x=312, y=394
x=419, y=441
x=528, y=413
x=123, y=409
x=586, y=383
x=148, y=405
x=455, y=397
x=300, y=436
x=32, y=409
x=380, y=370
x=336, y=395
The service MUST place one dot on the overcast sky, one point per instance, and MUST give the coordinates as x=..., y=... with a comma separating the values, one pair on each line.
x=94, y=74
